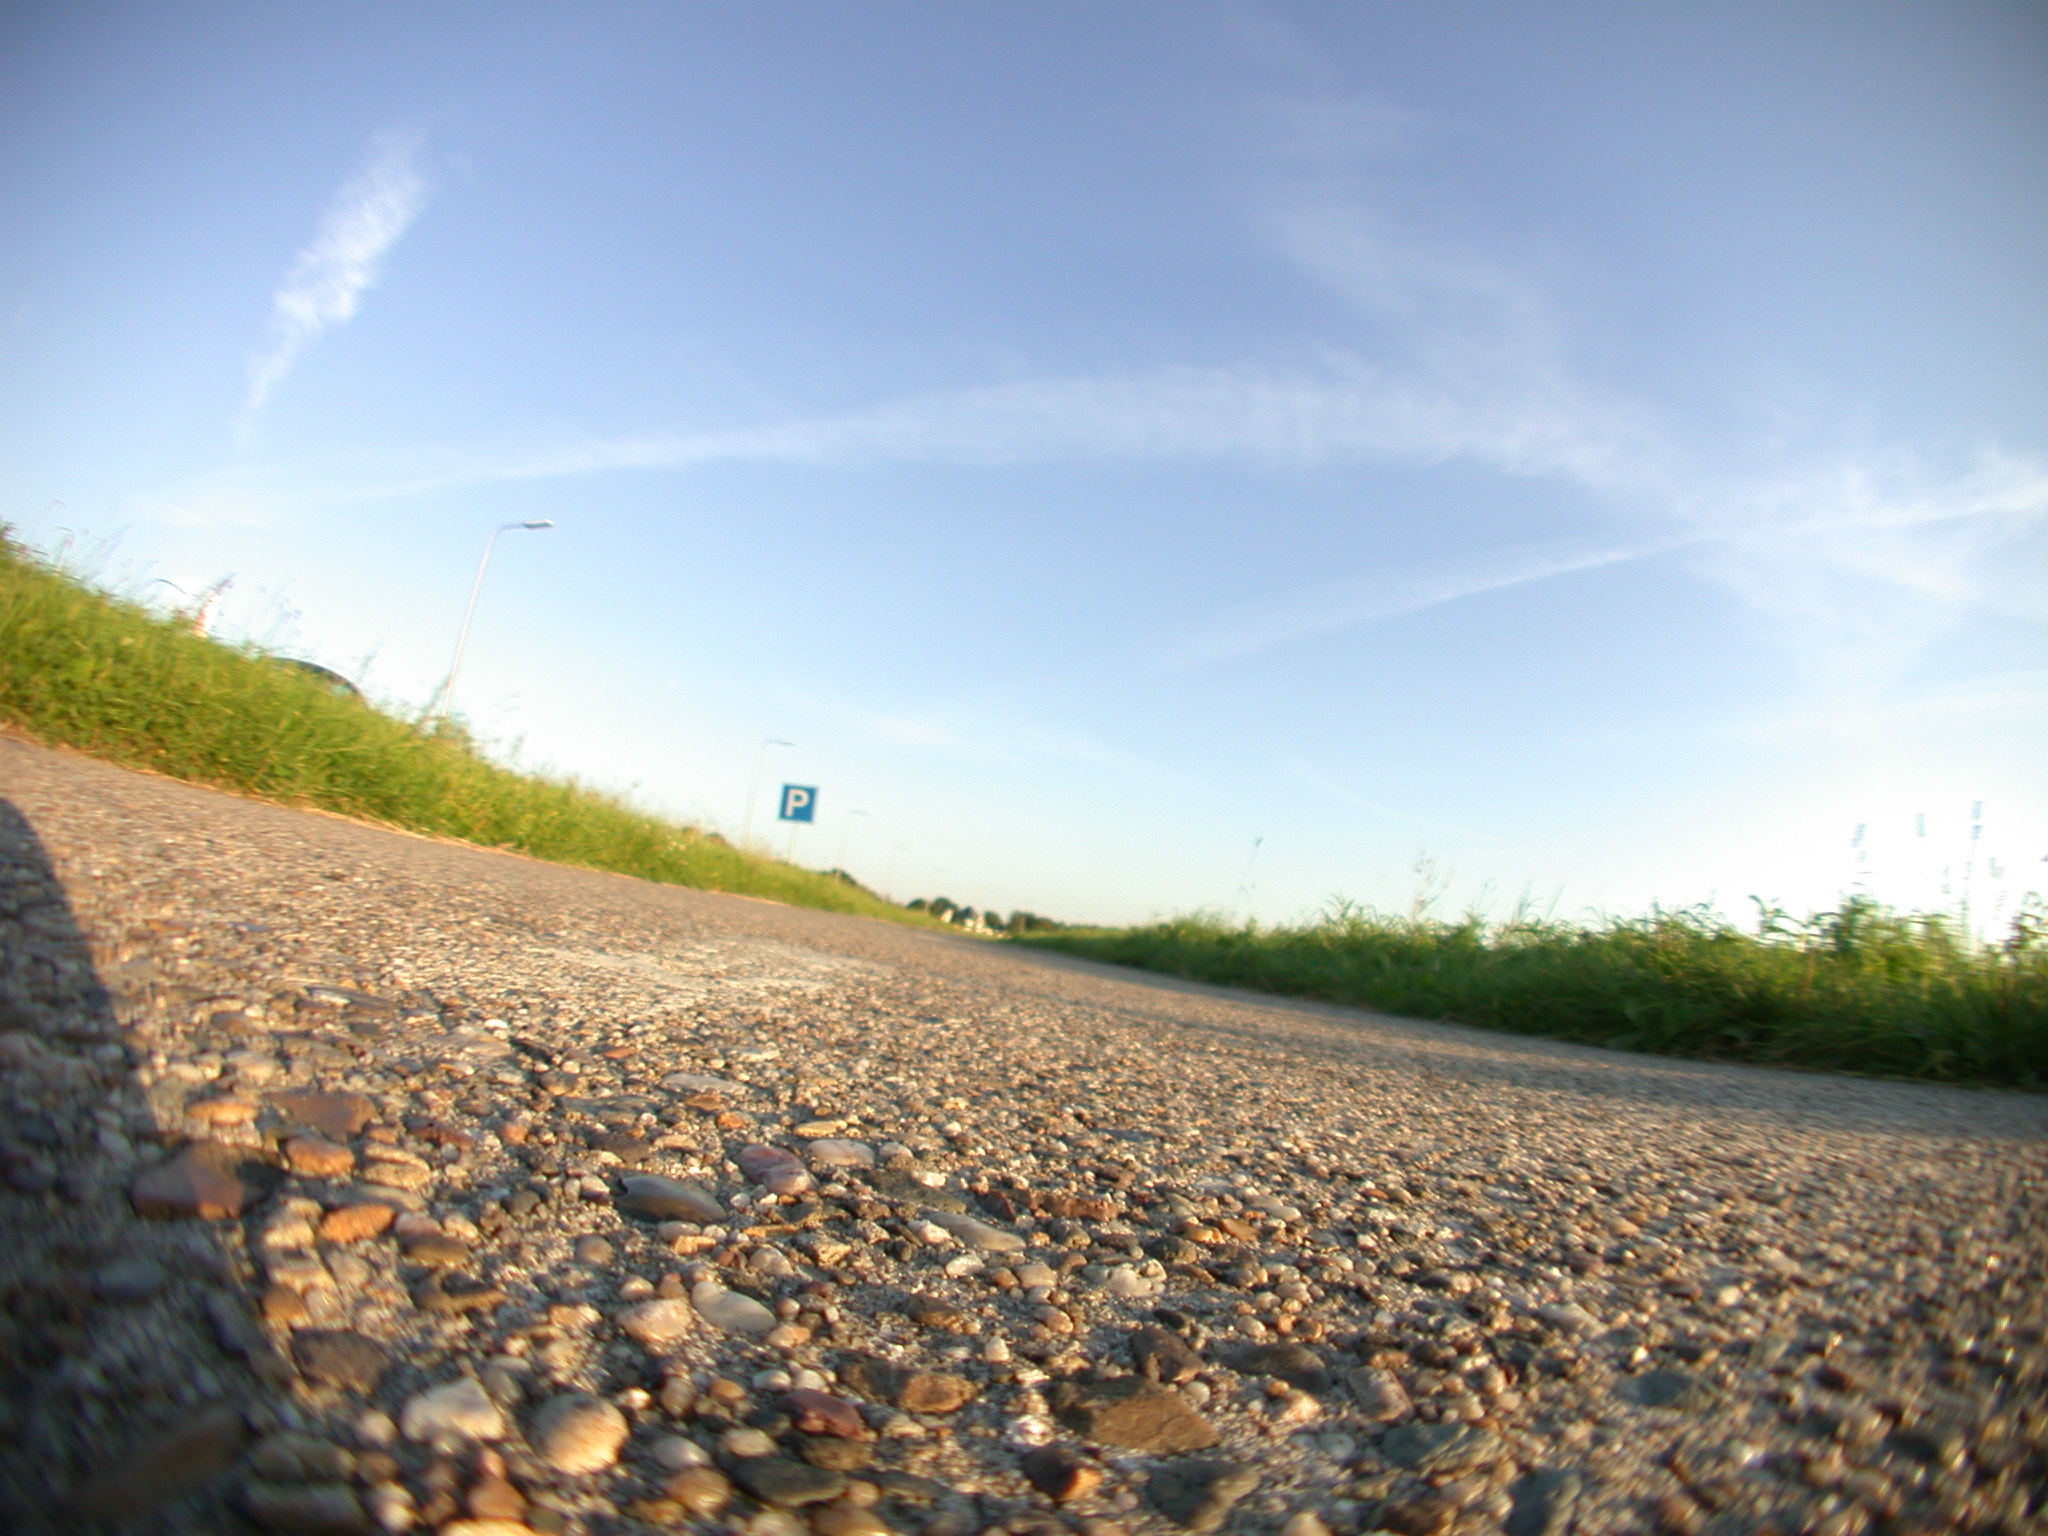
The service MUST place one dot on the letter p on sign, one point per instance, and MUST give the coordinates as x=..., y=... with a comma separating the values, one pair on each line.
x=799, y=802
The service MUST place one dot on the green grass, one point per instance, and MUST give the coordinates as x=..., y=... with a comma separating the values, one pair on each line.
x=81, y=669
x=1861, y=989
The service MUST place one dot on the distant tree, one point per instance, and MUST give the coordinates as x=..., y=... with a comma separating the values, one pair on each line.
x=917, y=904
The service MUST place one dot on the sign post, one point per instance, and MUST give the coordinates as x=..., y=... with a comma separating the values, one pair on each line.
x=799, y=805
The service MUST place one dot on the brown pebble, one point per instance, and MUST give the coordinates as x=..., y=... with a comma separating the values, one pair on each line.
x=354, y=1223
x=337, y=1116
x=1058, y=1472
x=221, y=1111
x=703, y=1491
x=205, y=1180
x=844, y=1518
x=931, y=1392
x=492, y=1497
x=820, y=1413
x=317, y=1158
x=435, y=1249
x=283, y=1308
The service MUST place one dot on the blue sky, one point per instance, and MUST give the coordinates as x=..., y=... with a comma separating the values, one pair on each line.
x=1596, y=453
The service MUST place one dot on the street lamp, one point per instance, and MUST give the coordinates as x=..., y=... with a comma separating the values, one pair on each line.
x=445, y=694
x=754, y=786
x=846, y=832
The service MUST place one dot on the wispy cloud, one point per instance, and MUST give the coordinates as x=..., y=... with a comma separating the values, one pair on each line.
x=326, y=284
x=1323, y=784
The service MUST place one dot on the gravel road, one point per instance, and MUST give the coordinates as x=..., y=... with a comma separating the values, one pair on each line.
x=361, y=1182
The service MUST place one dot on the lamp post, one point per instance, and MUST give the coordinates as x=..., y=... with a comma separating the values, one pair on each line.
x=754, y=787
x=845, y=832
x=445, y=694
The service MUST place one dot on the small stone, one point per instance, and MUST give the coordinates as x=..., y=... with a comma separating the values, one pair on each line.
x=469, y=1527
x=659, y=1325
x=492, y=1497
x=1668, y=1387
x=1295, y=1364
x=661, y=1199
x=975, y=1234
x=1568, y=1317
x=395, y=1169
x=206, y=1180
x=1379, y=1394
x=676, y=1452
x=1305, y=1522
x=340, y=1358
x=1199, y=1495
x=295, y=1458
x=130, y=1280
x=836, y=1152
x=747, y=1441
x=789, y=1484
x=833, y=1453
x=452, y=1295
x=703, y=1491
x=845, y=1518
x=730, y=1310
x=456, y=1411
x=177, y=1463
x=1161, y=1355
x=306, y=1509
x=1543, y=1503
x=1437, y=1447
x=820, y=1413
x=1060, y=1473
x=354, y=1223
x=337, y=1116
x=284, y=1308
x=315, y=1157
x=1429, y=1514
x=221, y=1111
x=933, y=1392
x=774, y=1169
x=437, y=1250
x=593, y=1250
x=577, y=1433
x=1132, y=1414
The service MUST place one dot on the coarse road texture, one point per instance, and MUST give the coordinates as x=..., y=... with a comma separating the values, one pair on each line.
x=356, y=1181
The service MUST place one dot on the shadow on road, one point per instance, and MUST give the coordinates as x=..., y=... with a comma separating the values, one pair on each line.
x=126, y=1345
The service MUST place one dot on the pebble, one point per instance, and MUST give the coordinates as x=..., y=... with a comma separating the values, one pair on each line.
x=315, y=1157
x=1161, y=1355
x=820, y=1413
x=659, y=1325
x=1060, y=1473
x=974, y=1233
x=730, y=1310
x=456, y=1411
x=774, y=1169
x=703, y=1491
x=306, y=1509
x=577, y=1433
x=437, y=1250
x=336, y=1116
x=355, y=1223
x=1199, y=1495
x=206, y=1180
x=340, y=1358
x=787, y=1483
x=662, y=1199
x=1132, y=1414
x=1437, y=1447
x=130, y=1280
x=837, y=1152
x=593, y=1250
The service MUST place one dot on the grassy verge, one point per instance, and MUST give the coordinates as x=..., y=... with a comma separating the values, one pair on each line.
x=1861, y=990
x=84, y=670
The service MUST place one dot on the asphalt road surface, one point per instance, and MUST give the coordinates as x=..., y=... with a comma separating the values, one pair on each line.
x=356, y=1181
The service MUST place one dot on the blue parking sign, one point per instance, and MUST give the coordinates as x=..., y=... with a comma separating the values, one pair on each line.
x=799, y=802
